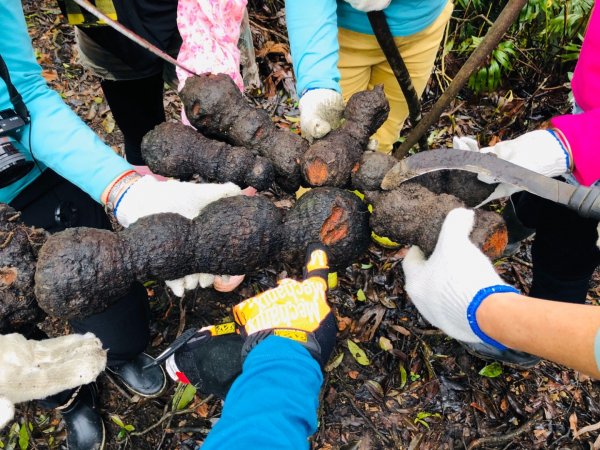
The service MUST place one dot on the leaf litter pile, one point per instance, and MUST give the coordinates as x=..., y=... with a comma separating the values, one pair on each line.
x=393, y=381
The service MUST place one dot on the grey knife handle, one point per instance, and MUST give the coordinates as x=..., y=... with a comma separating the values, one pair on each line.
x=586, y=201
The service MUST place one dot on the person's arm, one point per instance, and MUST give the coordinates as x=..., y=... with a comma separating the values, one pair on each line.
x=458, y=290
x=288, y=333
x=586, y=77
x=59, y=139
x=580, y=131
x=565, y=333
x=31, y=369
x=312, y=30
x=274, y=402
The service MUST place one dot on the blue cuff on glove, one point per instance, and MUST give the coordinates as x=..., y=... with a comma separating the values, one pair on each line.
x=562, y=146
x=480, y=296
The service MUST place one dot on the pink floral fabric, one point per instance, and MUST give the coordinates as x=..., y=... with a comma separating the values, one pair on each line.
x=210, y=30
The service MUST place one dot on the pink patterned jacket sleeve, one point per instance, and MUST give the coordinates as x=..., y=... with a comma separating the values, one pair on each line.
x=582, y=131
x=210, y=30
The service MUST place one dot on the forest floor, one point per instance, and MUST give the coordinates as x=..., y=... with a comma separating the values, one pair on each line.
x=420, y=389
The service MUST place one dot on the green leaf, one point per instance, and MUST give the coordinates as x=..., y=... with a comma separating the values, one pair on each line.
x=117, y=420
x=122, y=434
x=129, y=428
x=491, y=370
x=360, y=295
x=358, y=353
x=183, y=396
x=23, y=438
x=366, y=266
x=403, y=376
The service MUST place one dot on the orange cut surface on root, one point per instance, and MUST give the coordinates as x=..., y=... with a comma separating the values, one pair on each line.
x=8, y=275
x=335, y=227
x=495, y=244
x=317, y=172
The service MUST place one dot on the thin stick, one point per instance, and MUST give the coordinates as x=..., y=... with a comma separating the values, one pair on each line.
x=505, y=438
x=506, y=18
x=131, y=35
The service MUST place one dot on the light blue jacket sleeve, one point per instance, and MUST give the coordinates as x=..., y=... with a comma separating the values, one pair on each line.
x=313, y=33
x=59, y=139
x=273, y=404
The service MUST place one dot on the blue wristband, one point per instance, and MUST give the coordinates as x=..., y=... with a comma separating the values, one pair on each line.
x=121, y=198
x=480, y=296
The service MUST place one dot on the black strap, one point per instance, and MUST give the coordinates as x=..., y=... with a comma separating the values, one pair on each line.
x=385, y=39
x=15, y=97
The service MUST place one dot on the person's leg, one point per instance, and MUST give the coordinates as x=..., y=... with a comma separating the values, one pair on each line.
x=418, y=52
x=137, y=106
x=358, y=53
x=564, y=251
x=134, y=94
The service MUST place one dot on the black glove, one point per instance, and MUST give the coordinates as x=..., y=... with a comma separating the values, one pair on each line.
x=208, y=358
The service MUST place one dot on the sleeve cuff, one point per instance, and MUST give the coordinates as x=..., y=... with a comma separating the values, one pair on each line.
x=479, y=297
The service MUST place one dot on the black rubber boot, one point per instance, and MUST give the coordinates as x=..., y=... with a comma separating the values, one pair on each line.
x=144, y=381
x=85, y=429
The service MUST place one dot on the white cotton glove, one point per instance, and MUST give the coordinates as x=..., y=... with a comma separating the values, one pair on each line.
x=150, y=196
x=540, y=151
x=369, y=5
x=444, y=287
x=320, y=112
x=37, y=369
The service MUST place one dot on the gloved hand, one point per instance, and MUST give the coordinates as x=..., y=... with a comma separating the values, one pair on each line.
x=293, y=310
x=147, y=196
x=37, y=369
x=369, y=5
x=190, y=282
x=542, y=151
x=320, y=112
x=448, y=288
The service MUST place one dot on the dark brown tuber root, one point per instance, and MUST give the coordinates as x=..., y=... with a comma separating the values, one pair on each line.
x=81, y=271
x=18, y=246
x=330, y=161
x=216, y=107
x=461, y=184
x=334, y=217
x=411, y=214
x=370, y=171
x=176, y=150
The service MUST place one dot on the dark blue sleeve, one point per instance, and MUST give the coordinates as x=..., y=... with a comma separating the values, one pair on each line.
x=273, y=403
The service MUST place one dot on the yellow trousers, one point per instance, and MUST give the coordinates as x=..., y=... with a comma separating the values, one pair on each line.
x=363, y=65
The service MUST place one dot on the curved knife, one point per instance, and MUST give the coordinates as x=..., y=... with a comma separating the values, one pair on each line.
x=584, y=200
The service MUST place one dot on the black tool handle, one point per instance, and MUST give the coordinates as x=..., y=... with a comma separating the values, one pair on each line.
x=586, y=201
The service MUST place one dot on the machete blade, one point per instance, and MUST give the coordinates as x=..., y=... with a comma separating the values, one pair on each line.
x=584, y=200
